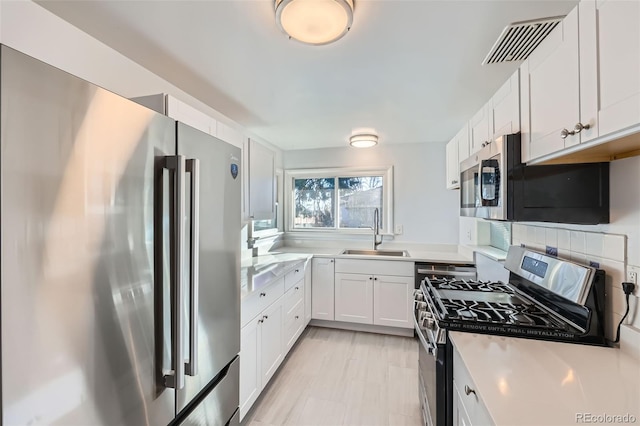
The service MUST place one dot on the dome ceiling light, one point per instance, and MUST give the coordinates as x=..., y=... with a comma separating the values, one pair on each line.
x=363, y=140
x=314, y=22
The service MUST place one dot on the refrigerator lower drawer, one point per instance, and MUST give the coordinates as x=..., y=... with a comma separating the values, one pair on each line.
x=221, y=403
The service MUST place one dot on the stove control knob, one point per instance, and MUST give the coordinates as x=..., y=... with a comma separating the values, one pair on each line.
x=419, y=296
x=429, y=323
x=421, y=305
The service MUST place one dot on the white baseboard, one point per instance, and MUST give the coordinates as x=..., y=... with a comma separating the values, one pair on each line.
x=369, y=328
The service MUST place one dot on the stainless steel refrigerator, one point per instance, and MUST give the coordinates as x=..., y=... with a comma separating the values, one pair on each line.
x=119, y=258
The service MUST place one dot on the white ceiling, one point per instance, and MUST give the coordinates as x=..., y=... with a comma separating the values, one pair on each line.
x=409, y=69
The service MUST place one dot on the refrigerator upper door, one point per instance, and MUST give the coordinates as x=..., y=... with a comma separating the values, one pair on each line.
x=80, y=345
x=216, y=226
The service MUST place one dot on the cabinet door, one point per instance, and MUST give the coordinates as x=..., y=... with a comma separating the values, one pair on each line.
x=453, y=165
x=229, y=134
x=619, y=64
x=322, y=289
x=479, y=131
x=505, y=107
x=462, y=138
x=552, y=72
x=261, y=182
x=307, y=292
x=188, y=115
x=250, y=367
x=354, y=298
x=460, y=416
x=271, y=340
x=393, y=301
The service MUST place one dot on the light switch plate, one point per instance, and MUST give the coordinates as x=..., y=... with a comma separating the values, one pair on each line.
x=398, y=230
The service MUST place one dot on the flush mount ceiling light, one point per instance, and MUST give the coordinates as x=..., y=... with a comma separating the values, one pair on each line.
x=363, y=141
x=314, y=21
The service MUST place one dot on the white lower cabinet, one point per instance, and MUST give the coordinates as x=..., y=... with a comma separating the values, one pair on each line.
x=322, y=289
x=354, y=298
x=374, y=292
x=393, y=301
x=250, y=367
x=261, y=353
x=273, y=320
x=468, y=407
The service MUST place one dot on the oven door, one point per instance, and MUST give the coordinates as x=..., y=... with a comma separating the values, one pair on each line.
x=427, y=383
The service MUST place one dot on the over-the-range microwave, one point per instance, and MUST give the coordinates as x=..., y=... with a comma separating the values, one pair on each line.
x=495, y=184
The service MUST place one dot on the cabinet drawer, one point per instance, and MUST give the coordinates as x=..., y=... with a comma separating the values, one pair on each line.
x=473, y=404
x=293, y=325
x=293, y=296
x=293, y=276
x=375, y=267
x=255, y=303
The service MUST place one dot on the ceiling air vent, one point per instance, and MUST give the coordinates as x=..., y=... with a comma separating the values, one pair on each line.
x=518, y=40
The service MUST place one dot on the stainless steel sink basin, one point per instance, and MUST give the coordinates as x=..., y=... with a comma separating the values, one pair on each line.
x=398, y=253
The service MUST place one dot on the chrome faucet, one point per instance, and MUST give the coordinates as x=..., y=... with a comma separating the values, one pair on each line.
x=376, y=229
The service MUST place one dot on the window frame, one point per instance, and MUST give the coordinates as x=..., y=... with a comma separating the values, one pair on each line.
x=386, y=172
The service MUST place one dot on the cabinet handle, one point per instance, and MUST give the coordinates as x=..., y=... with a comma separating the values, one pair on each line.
x=297, y=317
x=564, y=133
x=468, y=390
x=263, y=294
x=579, y=127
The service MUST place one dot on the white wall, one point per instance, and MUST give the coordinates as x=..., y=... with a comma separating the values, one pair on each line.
x=426, y=210
x=31, y=29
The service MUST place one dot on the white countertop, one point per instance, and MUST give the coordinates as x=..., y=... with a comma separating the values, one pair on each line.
x=414, y=255
x=533, y=382
x=261, y=270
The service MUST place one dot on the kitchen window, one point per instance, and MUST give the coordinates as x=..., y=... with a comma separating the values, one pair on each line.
x=339, y=199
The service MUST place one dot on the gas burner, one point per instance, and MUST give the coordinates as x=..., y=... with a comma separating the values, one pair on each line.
x=469, y=285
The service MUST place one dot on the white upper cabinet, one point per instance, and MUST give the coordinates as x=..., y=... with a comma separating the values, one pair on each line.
x=229, y=134
x=457, y=151
x=453, y=165
x=505, y=108
x=551, y=93
x=262, y=172
x=189, y=115
x=480, y=131
x=610, y=34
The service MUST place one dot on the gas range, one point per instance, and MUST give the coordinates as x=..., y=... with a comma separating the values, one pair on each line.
x=531, y=305
x=545, y=298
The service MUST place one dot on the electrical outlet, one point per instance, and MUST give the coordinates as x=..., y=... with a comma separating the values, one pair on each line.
x=632, y=277
x=398, y=230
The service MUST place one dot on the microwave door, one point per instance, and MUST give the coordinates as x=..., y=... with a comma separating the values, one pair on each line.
x=489, y=188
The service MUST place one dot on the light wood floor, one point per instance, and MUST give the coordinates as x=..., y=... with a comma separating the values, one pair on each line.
x=337, y=377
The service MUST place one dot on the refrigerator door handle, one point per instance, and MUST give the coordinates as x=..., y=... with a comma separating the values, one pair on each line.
x=193, y=168
x=176, y=164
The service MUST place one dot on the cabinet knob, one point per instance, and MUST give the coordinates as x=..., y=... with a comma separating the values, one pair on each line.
x=264, y=317
x=297, y=288
x=370, y=278
x=263, y=294
x=468, y=390
x=297, y=270
x=331, y=261
x=564, y=133
x=375, y=278
x=579, y=127
x=296, y=317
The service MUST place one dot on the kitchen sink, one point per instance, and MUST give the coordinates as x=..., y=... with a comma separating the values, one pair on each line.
x=398, y=253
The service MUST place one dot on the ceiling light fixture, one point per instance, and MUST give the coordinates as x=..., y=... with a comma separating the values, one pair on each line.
x=363, y=141
x=314, y=21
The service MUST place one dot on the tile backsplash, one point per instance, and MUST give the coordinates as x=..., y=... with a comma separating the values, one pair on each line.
x=604, y=251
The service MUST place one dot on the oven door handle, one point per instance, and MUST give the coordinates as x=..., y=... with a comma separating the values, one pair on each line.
x=432, y=349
